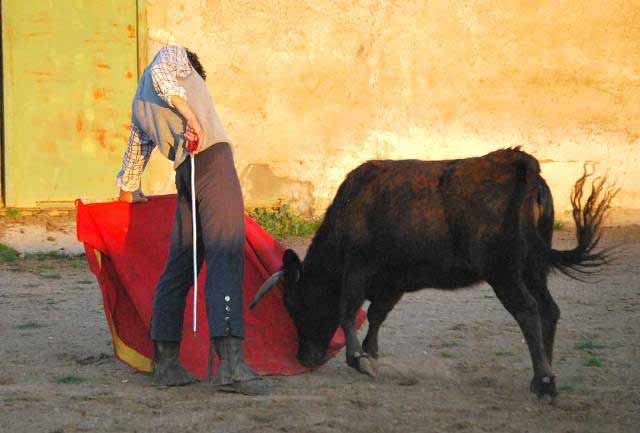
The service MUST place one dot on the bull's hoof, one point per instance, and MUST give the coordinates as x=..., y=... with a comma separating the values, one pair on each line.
x=364, y=363
x=544, y=388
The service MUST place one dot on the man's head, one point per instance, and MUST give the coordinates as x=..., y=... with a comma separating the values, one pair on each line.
x=195, y=63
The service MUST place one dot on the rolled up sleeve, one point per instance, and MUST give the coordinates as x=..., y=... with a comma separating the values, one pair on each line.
x=170, y=61
x=135, y=160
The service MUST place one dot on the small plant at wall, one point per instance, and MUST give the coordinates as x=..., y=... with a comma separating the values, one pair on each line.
x=281, y=221
x=10, y=212
x=8, y=254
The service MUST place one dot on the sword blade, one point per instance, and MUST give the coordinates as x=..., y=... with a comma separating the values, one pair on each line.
x=195, y=243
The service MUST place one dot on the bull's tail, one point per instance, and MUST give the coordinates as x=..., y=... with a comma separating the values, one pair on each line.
x=588, y=218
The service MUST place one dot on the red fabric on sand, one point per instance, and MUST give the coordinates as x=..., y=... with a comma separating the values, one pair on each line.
x=133, y=241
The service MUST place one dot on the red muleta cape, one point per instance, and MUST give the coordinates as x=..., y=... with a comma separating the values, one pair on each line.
x=127, y=246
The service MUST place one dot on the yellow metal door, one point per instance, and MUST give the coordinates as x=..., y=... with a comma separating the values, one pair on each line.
x=69, y=73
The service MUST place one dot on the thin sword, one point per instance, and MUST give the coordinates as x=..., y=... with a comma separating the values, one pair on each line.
x=192, y=146
x=195, y=246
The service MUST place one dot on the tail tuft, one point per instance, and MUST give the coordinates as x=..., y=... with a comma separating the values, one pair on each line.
x=588, y=218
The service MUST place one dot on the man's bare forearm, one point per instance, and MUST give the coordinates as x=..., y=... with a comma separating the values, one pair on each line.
x=136, y=196
x=182, y=107
x=195, y=129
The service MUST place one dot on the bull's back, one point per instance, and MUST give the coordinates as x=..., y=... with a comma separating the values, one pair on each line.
x=430, y=219
x=393, y=199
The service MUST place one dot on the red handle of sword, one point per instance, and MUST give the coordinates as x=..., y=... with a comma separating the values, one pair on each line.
x=192, y=146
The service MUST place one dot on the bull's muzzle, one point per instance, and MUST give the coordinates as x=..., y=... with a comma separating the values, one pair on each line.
x=312, y=358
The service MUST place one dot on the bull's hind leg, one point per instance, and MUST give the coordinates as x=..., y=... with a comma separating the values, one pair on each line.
x=549, y=310
x=376, y=314
x=351, y=299
x=515, y=297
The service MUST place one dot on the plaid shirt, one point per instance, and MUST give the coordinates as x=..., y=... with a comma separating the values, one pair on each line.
x=170, y=63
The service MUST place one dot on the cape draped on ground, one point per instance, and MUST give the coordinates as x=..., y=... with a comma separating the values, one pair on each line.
x=127, y=246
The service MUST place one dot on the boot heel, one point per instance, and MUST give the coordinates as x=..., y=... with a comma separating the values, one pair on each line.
x=167, y=370
x=233, y=374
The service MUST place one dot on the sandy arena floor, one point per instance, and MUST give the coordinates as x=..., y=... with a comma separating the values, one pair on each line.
x=452, y=362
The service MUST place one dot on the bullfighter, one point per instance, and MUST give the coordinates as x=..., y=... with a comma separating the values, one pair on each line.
x=172, y=106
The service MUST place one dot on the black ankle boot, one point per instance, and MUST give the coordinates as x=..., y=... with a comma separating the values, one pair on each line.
x=233, y=374
x=167, y=370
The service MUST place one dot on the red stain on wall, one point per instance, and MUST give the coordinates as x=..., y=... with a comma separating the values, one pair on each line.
x=40, y=73
x=101, y=134
x=131, y=31
x=79, y=124
x=128, y=75
x=32, y=34
x=98, y=93
x=103, y=66
x=48, y=147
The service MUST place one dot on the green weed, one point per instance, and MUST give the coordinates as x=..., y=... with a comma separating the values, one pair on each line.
x=41, y=256
x=13, y=212
x=56, y=255
x=569, y=388
x=594, y=361
x=84, y=282
x=589, y=346
x=8, y=254
x=78, y=262
x=281, y=221
x=447, y=344
x=29, y=325
x=48, y=273
x=69, y=379
x=15, y=399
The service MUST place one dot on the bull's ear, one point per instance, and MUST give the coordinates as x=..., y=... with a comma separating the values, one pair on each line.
x=290, y=258
x=291, y=265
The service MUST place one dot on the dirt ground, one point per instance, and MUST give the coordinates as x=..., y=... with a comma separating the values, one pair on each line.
x=451, y=362
x=41, y=233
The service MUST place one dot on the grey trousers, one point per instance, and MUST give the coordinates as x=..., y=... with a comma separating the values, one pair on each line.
x=220, y=242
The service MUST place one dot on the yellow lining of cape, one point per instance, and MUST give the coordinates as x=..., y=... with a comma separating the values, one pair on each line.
x=129, y=355
x=98, y=257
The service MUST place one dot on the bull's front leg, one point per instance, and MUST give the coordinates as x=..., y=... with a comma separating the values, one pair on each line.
x=351, y=299
x=376, y=314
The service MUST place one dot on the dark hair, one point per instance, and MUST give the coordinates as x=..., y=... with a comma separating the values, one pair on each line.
x=195, y=63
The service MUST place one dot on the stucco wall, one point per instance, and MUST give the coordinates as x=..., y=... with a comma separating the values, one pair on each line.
x=308, y=89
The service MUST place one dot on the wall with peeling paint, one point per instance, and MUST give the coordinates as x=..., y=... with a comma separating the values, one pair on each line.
x=308, y=90
x=69, y=70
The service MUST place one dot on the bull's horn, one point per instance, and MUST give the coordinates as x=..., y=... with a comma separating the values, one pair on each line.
x=272, y=281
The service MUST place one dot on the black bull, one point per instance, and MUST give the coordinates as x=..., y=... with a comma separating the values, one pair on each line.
x=400, y=226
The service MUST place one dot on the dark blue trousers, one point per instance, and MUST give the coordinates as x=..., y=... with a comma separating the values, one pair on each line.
x=221, y=236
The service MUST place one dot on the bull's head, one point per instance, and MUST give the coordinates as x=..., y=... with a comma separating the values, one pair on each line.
x=312, y=303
